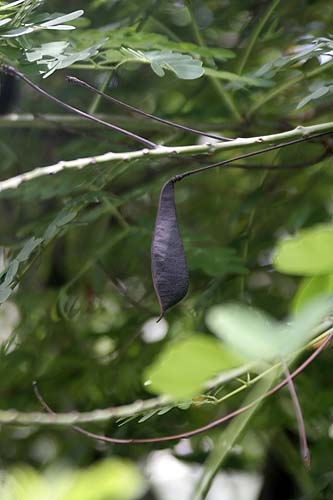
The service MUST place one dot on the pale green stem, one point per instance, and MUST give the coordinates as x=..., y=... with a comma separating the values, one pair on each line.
x=254, y=37
x=165, y=151
x=225, y=96
x=97, y=97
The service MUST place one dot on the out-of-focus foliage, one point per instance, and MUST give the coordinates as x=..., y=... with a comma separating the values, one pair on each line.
x=184, y=366
x=113, y=479
x=75, y=286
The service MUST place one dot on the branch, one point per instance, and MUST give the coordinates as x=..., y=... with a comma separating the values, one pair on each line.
x=9, y=70
x=305, y=453
x=200, y=430
x=303, y=133
x=74, y=417
x=191, y=130
x=137, y=407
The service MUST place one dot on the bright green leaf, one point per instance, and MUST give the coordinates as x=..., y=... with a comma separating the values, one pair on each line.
x=256, y=336
x=309, y=253
x=183, y=367
x=111, y=479
x=63, y=19
x=310, y=288
x=251, y=333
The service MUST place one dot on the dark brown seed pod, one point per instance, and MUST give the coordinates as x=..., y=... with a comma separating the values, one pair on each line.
x=169, y=269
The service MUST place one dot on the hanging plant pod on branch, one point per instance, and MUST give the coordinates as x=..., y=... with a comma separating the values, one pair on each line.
x=169, y=269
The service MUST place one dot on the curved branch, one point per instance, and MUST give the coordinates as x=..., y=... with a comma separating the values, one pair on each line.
x=210, y=425
x=9, y=70
x=191, y=130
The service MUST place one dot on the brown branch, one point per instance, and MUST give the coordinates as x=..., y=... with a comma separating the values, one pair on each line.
x=9, y=70
x=210, y=425
x=81, y=83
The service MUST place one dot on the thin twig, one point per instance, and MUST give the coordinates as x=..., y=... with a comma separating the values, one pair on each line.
x=210, y=425
x=305, y=453
x=9, y=70
x=81, y=83
x=181, y=176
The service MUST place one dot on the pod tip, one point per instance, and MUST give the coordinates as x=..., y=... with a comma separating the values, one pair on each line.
x=160, y=317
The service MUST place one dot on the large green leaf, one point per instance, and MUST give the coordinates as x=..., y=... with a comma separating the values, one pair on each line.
x=308, y=254
x=112, y=479
x=312, y=287
x=182, y=367
x=256, y=336
x=183, y=65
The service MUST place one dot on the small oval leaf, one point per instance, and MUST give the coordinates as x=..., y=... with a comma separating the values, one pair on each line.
x=169, y=269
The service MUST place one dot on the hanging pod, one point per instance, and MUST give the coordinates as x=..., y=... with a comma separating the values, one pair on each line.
x=169, y=269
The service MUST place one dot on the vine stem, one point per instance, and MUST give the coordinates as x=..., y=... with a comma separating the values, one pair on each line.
x=303, y=133
x=256, y=32
x=180, y=177
x=200, y=430
x=305, y=453
x=101, y=93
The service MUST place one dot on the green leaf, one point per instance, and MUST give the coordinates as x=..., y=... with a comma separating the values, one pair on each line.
x=233, y=77
x=314, y=95
x=112, y=479
x=5, y=293
x=23, y=30
x=256, y=336
x=28, y=248
x=52, y=49
x=11, y=5
x=184, y=366
x=5, y=21
x=308, y=254
x=11, y=272
x=65, y=217
x=62, y=19
x=301, y=329
x=215, y=261
x=310, y=288
x=68, y=57
x=183, y=65
x=251, y=333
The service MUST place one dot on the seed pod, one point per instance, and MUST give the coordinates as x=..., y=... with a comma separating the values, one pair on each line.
x=169, y=269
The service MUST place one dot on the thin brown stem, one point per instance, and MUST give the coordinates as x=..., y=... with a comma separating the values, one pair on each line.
x=210, y=425
x=9, y=70
x=180, y=177
x=81, y=83
x=305, y=453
